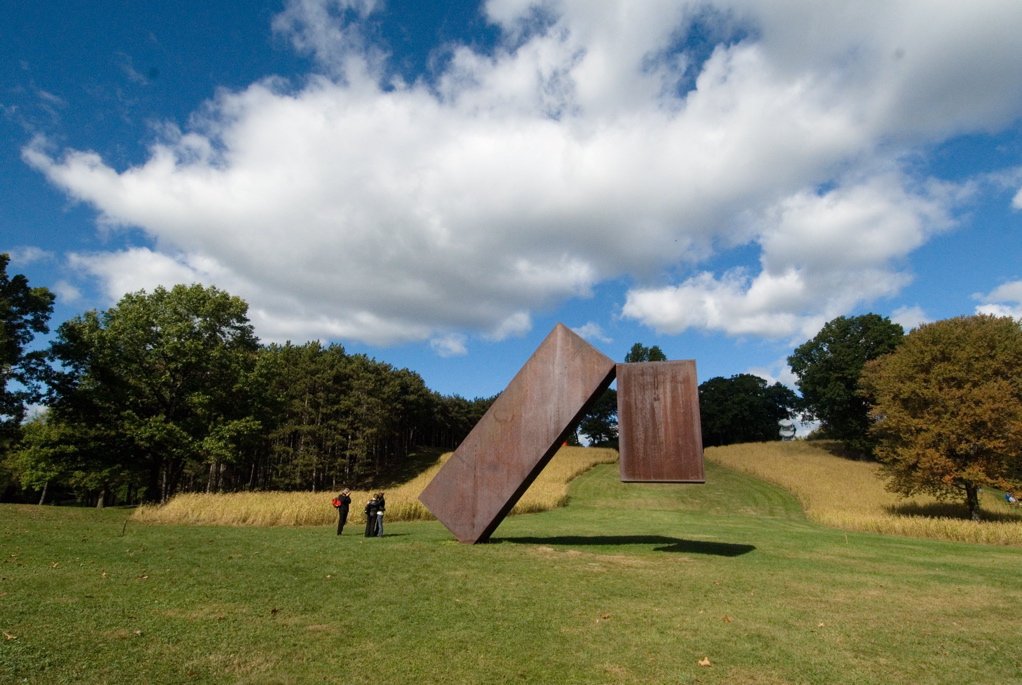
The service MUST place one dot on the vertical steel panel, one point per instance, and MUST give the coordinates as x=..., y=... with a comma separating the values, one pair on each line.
x=658, y=422
x=515, y=439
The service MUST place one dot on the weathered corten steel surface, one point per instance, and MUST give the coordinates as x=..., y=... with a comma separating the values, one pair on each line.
x=515, y=439
x=658, y=422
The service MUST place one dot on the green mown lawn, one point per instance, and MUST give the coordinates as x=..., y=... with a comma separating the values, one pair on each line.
x=628, y=584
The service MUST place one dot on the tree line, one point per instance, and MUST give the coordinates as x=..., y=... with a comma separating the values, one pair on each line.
x=171, y=391
x=742, y=408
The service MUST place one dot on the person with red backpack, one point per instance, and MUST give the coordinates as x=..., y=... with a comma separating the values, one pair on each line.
x=341, y=503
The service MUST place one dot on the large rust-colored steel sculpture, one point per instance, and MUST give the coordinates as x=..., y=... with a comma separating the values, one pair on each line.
x=658, y=427
x=503, y=454
x=659, y=436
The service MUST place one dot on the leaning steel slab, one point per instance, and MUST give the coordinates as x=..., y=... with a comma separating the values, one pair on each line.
x=506, y=450
x=659, y=436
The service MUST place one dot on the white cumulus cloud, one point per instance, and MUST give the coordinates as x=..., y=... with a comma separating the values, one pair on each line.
x=450, y=345
x=594, y=142
x=592, y=331
x=1004, y=300
x=27, y=254
x=910, y=317
x=822, y=254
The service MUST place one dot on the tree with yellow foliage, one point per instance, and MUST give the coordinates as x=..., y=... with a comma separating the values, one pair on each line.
x=947, y=409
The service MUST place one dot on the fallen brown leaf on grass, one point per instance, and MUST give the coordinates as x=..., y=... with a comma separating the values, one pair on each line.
x=727, y=619
x=704, y=662
x=605, y=616
x=10, y=637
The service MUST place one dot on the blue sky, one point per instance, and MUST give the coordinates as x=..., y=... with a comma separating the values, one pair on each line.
x=438, y=184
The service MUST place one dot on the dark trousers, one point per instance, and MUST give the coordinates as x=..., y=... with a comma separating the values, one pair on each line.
x=342, y=513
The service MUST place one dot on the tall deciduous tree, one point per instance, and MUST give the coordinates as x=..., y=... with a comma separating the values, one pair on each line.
x=743, y=408
x=828, y=368
x=24, y=312
x=641, y=353
x=599, y=425
x=163, y=373
x=947, y=408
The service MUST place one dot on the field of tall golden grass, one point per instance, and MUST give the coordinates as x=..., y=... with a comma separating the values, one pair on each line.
x=847, y=494
x=549, y=491
x=834, y=491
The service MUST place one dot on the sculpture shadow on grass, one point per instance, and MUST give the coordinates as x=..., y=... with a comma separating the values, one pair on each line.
x=666, y=544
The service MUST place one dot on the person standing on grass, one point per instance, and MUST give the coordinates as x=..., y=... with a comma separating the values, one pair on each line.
x=371, y=517
x=342, y=503
x=381, y=506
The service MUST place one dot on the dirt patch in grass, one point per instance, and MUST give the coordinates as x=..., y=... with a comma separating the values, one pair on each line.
x=620, y=560
x=741, y=676
x=119, y=634
x=216, y=612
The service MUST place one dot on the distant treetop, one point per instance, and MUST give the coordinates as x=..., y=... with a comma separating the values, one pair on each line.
x=641, y=353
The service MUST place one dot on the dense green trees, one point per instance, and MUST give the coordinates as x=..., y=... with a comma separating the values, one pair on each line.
x=947, y=409
x=344, y=419
x=743, y=408
x=164, y=375
x=828, y=369
x=24, y=312
x=170, y=391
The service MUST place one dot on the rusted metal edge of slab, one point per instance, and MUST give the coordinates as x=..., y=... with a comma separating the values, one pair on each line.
x=517, y=437
x=659, y=434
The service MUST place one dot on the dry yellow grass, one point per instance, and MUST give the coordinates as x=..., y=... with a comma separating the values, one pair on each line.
x=550, y=490
x=849, y=494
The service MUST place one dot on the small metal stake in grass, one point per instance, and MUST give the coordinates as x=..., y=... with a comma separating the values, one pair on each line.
x=124, y=527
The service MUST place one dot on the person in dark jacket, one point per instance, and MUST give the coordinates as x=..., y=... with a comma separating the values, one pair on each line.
x=381, y=506
x=343, y=503
x=371, y=518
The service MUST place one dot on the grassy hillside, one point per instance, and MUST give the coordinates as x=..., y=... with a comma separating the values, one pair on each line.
x=849, y=494
x=630, y=583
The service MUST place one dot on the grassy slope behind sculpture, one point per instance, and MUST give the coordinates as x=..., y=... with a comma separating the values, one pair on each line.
x=849, y=494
